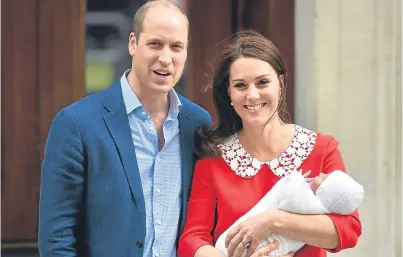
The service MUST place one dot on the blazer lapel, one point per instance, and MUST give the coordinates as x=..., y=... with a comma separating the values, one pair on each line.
x=118, y=125
x=186, y=132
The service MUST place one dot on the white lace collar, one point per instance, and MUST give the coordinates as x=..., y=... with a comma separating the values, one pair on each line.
x=291, y=159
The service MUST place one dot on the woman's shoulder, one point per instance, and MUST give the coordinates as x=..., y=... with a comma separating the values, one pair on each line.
x=321, y=139
x=210, y=161
x=326, y=141
x=210, y=166
x=323, y=142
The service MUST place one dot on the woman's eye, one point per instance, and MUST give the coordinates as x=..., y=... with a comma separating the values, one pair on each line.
x=264, y=81
x=239, y=85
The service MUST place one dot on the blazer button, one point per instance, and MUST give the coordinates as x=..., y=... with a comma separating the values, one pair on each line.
x=139, y=244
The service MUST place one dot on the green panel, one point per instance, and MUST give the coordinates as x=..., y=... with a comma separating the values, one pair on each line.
x=98, y=76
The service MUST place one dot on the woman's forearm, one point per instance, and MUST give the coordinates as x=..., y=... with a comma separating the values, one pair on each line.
x=208, y=251
x=316, y=230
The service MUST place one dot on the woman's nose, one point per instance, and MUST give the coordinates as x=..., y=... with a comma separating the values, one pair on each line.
x=253, y=94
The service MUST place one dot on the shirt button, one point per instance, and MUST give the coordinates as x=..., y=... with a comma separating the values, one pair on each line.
x=157, y=254
x=158, y=158
x=158, y=190
x=143, y=113
x=150, y=128
x=159, y=222
x=139, y=244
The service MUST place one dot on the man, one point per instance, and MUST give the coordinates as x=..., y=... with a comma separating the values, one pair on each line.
x=118, y=164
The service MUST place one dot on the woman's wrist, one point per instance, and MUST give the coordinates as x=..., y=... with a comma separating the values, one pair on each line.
x=274, y=220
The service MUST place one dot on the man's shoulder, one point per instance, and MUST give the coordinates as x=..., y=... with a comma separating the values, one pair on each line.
x=198, y=113
x=87, y=101
x=91, y=104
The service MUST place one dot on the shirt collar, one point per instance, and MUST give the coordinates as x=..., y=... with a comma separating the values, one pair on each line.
x=132, y=102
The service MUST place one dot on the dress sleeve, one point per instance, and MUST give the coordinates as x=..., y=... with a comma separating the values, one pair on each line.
x=201, y=211
x=348, y=226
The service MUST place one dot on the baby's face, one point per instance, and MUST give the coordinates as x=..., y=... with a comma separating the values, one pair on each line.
x=318, y=181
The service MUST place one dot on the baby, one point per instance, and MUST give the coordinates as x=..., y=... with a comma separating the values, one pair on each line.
x=336, y=193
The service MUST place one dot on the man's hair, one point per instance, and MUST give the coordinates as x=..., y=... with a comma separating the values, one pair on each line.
x=138, y=20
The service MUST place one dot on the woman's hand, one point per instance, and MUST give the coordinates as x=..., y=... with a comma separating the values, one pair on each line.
x=265, y=251
x=249, y=234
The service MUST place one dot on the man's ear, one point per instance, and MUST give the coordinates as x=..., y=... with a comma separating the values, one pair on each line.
x=132, y=45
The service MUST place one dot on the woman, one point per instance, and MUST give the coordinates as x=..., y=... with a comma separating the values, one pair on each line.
x=250, y=149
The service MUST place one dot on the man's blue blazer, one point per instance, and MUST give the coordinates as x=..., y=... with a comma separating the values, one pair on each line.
x=91, y=201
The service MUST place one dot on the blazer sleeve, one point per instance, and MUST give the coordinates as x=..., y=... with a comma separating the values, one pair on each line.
x=62, y=182
x=201, y=212
x=348, y=227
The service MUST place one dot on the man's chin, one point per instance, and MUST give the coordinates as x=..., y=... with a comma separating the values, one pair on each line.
x=162, y=88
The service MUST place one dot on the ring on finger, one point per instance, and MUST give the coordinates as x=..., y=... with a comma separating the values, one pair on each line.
x=245, y=245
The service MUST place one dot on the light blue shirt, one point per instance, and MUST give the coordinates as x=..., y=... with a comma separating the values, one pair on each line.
x=160, y=171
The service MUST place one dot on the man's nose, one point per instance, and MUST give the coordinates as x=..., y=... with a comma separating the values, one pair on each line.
x=165, y=56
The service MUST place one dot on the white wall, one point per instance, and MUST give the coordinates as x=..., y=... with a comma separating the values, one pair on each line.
x=348, y=79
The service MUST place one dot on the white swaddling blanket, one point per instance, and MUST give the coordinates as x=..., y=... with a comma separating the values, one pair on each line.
x=338, y=193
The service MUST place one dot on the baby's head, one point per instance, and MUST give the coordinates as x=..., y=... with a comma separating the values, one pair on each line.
x=338, y=192
x=317, y=181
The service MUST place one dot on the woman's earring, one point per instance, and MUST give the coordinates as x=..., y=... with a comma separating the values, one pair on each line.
x=232, y=103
